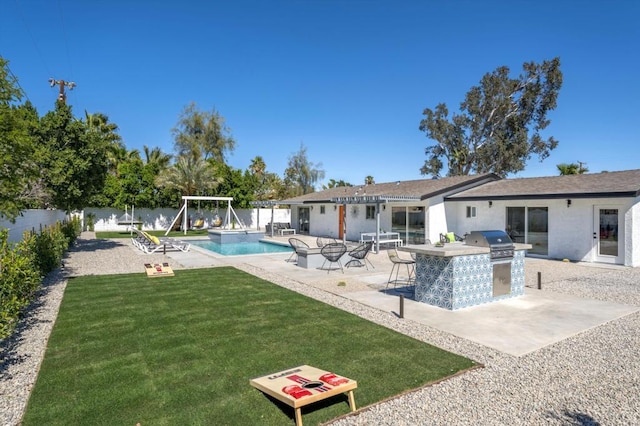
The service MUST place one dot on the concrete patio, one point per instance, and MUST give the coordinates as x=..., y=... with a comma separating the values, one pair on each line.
x=515, y=326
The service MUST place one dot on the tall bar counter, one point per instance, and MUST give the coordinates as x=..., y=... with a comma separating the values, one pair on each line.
x=456, y=275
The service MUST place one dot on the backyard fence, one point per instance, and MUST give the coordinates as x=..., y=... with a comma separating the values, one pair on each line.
x=31, y=220
x=105, y=219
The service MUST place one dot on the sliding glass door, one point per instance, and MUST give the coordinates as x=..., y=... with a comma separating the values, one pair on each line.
x=409, y=223
x=529, y=225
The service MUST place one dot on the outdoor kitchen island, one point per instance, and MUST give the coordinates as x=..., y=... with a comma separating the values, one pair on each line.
x=458, y=275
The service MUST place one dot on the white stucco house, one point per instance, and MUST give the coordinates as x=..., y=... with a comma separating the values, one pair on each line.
x=415, y=209
x=589, y=217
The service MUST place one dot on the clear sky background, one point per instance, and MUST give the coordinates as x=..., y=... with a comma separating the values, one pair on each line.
x=349, y=79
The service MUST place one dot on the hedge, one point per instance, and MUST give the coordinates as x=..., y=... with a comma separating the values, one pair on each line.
x=24, y=265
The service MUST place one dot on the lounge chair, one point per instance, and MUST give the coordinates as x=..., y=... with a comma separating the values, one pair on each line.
x=150, y=243
x=450, y=237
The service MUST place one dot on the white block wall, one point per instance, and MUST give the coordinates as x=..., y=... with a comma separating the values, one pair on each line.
x=31, y=220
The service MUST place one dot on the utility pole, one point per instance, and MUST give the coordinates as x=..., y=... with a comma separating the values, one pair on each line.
x=62, y=96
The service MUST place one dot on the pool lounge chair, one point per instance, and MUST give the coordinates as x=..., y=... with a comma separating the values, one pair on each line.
x=151, y=244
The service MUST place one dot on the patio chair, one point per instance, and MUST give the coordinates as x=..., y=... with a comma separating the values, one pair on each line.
x=450, y=237
x=332, y=253
x=397, y=262
x=323, y=241
x=359, y=255
x=296, y=244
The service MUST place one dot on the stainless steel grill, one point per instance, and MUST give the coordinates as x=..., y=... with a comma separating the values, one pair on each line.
x=500, y=245
x=501, y=251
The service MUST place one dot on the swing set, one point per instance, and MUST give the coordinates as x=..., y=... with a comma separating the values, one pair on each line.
x=199, y=223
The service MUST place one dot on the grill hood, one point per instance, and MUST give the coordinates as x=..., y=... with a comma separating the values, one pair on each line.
x=488, y=239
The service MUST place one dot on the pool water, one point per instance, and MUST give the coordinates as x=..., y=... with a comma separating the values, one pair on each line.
x=234, y=249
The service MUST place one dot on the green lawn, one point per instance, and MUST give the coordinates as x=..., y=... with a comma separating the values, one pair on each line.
x=181, y=351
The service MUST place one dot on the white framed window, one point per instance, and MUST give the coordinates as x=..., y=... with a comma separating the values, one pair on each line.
x=371, y=212
x=471, y=211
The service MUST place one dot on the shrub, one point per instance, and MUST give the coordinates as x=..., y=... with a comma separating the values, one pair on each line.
x=23, y=266
x=19, y=280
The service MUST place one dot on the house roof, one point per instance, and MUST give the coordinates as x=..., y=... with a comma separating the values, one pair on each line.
x=391, y=191
x=595, y=185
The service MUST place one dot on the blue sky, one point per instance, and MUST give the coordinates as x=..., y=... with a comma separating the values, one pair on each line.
x=349, y=79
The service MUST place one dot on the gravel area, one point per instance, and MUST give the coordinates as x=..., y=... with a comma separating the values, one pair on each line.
x=592, y=378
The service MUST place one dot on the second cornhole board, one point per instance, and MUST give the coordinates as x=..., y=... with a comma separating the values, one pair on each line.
x=158, y=270
x=302, y=385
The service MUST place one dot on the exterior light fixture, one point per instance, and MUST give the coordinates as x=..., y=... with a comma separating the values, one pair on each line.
x=568, y=203
x=490, y=204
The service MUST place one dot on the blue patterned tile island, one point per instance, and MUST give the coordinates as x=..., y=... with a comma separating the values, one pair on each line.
x=457, y=276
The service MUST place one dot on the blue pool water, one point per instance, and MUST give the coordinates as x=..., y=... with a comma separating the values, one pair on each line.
x=233, y=249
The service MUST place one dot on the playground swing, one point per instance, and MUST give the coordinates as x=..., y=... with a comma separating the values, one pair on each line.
x=199, y=222
x=217, y=220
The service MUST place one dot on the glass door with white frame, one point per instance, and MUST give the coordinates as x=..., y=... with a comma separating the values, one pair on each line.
x=303, y=220
x=606, y=234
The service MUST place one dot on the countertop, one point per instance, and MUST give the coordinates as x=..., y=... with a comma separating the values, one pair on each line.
x=453, y=249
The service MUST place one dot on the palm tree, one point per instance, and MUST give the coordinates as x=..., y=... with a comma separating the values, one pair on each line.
x=369, y=180
x=155, y=156
x=572, y=169
x=189, y=175
x=117, y=154
x=99, y=122
x=258, y=166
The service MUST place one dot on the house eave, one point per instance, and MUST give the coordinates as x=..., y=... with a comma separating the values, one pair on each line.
x=624, y=194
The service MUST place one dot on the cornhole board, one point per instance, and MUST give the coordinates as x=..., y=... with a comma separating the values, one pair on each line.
x=303, y=385
x=158, y=270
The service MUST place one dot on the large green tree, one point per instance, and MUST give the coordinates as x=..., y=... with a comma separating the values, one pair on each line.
x=499, y=125
x=236, y=184
x=301, y=175
x=202, y=134
x=190, y=176
x=18, y=170
x=73, y=159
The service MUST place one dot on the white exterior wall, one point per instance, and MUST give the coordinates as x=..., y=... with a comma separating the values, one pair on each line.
x=570, y=232
x=439, y=219
x=632, y=233
x=487, y=218
x=570, y=229
x=325, y=225
x=31, y=220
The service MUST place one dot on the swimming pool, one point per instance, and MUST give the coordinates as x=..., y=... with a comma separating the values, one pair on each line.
x=234, y=249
